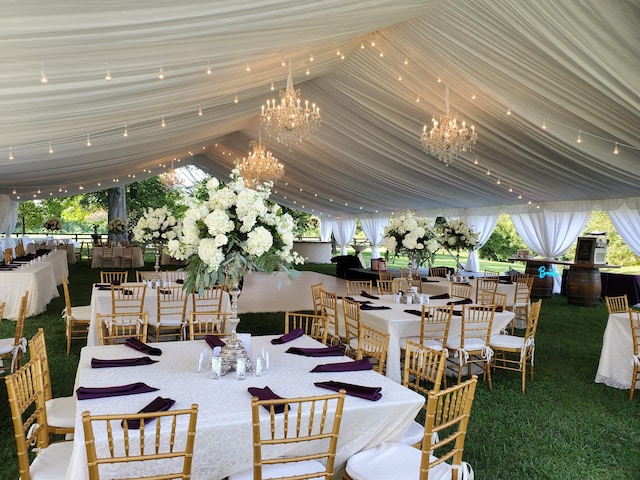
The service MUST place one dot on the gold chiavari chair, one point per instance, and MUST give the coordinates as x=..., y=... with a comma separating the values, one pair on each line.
x=351, y=316
x=314, y=326
x=329, y=305
x=489, y=284
x=117, y=327
x=438, y=271
x=634, y=318
x=202, y=324
x=316, y=294
x=208, y=299
x=128, y=298
x=385, y=275
x=374, y=345
x=110, y=277
x=77, y=318
x=356, y=287
x=619, y=304
x=146, y=275
x=12, y=348
x=108, y=258
x=385, y=287
x=461, y=290
x=172, y=307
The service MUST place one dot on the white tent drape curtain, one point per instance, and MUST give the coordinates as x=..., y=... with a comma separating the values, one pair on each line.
x=373, y=228
x=344, y=229
x=326, y=229
x=626, y=221
x=550, y=233
x=8, y=219
x=483, y=225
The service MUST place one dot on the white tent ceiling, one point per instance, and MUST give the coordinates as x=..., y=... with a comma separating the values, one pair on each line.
x=571, y=65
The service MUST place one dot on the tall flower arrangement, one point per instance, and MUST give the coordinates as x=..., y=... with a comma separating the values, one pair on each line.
x=52, y=224
x=456, y=235
x=117, y=225
x=413, y=236
x=234, y=230
x=157, y=225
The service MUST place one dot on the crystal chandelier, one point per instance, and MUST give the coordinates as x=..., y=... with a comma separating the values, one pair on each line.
x=448, y=138
x=289, y=122
x=260, y=166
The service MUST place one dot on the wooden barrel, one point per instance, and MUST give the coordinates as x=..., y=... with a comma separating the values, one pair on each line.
x=584, y=286
x=542, y=283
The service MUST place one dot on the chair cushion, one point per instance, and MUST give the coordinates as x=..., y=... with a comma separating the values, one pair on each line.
x=392, y=460
x=61, y=412
x=414, y=434
x=6, y=345
x=52, y=462
x=82, y=312
x=470, y=344
x=435, y=344
x=507, y=341
x=283, y=470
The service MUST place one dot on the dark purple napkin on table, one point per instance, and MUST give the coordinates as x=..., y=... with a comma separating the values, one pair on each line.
x=115, y=282
x=363, y=364
x=86, y=393
x=317, y=352
x=142, y=347
x=464, y=301
x=442, y=296
x=180, y=281
x=214, y=341
x=457, y=313
x=287, y=337
x=430, y=281
x=368, y=393
x=367, y=295
x=366, y=306
x=104, y=288
x=266, y=394
x=121, y=362
x=358, y=301
x=506, y=282
x=158, y=404
x=414, y=312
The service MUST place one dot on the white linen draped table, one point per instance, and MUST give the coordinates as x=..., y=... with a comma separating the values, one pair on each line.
x=38, y=279
x=101, y=303
x=69, y=247
x=615, y=367
x=138, y=257
x=439, y=286
x=400, y=324
x=223, y=442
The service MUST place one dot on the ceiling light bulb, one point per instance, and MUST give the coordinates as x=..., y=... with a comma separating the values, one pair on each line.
x=508, y=110
x=199, y=111
x=475, y=162
x=248, y=68
x=616, y=151
x=88, y=140
x=373, y=43
x=381, y=54
x=107, y=76
x=272, y=87
x=43, y=76
x=544, y=123
x=308, y=71
x=50, y=148
x=311, y=58
x=510, y=189
x=161, y=73
x=418, y=99
x=473, y=96
x=406, y=61
x=163, y=124
x=235, y=98
x=338, y=52
x=361, y=45
x=208, y=68
x=579, y=139
x=10, y=153
x=283, y=63
x=126, y=132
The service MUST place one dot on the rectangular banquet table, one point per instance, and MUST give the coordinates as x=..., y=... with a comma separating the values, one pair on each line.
x=101, y=303
x=138, y=257
x=69, y=247
x=615, y=367
x=38, y=279
x=400, y=324
x=223, y=443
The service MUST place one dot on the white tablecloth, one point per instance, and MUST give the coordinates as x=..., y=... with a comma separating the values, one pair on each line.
x=438, y=286
x=138, y=257
x=69, y=247
x=39, y=279
x=101, y=303
x=223, y=437
x=615, y=366
x=400, y=324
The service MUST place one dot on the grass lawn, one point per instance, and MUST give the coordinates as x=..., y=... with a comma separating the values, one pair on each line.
x=565, y=427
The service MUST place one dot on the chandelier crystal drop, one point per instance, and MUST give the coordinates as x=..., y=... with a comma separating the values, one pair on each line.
x=260, y=166
x=290, y=121
x=447, y=138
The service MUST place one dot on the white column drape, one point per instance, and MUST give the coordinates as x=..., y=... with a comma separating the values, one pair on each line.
x=326, y=228
x=550, y=233
x=344, y=229
x=483, y=225
x=626, y=221
x=373, y=228
x=8, y=218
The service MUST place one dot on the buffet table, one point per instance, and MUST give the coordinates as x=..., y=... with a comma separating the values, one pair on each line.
x=138, y=257
x=615, y=367
x=223, y=437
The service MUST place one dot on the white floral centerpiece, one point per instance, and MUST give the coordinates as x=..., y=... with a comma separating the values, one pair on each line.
x=52, y=224
x=413, y=236
x=117, y=225
x=156, y=226
x=456, y=235
x=235, y=230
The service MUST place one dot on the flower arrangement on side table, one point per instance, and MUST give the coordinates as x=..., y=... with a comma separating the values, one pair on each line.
x=411, y=235
x=52, y=224
x=456, y=235
x=117, y=225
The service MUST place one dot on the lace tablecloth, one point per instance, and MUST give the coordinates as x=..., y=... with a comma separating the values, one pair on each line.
x=615, y=365
x=223, y=438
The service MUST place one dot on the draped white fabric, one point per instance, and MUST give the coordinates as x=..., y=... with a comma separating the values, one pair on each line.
x=483, y=225
x=373, y=228
x=344, y=229
x=326, y=229
x=569, y=64
x=550, y=234
x=627, y=222
x=8, y=219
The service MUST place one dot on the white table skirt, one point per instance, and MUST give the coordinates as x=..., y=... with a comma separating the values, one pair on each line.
x=615, y=367
x=223, y=437
x=38, y=279
x=400, y=324
x=101, y=303
x=69, y=247
x=138, y=257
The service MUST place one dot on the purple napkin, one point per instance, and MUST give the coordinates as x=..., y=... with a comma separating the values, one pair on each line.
x=367, y=295
x=460, y=302
x=414, y=312
x=363, y=364
x=86, y=393
x=287, y=337
x=442, y=296
x=158, y=404
x=142, y=347
x=368, y=393
x=357, y=301
x=214, y=341
x=457, y=313
x=105, y=285
x=121, y=362
x=506, y=282
x=180, y=280
x=430, y=281
x=165, y=292
x=366, y=306
x=104, y=288
x=266, y=394
x=115, y=282
x=317, y=352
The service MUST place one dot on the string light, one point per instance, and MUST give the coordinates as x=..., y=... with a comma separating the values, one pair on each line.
x=163, y=124
x=199, y=111
x=508, y=110
x=10, y=153
x=50, y=148
x=43, y=76
x=544, y=123
x=125, y=134
x=616, y=151
x=88, y=140
x=235, y=98
x=579, y=139
x=107, y=76
x=208, y=70
x=161, y=73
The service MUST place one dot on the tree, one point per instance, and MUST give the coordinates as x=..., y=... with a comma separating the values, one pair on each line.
x=503, y=243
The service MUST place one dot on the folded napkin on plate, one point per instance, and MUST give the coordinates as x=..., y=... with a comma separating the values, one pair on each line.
x=317, y=352
x=86, y=393
x=287, y=337
x=368, y=295
x=121, y=362
x=158, y=404
x=214, y=341
x=363, y=364
x=366, y=306
x=464, y=301
x=142, y=347
x=414, y=312
x=266, y=394
x=442, y=296
x=368, y=393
